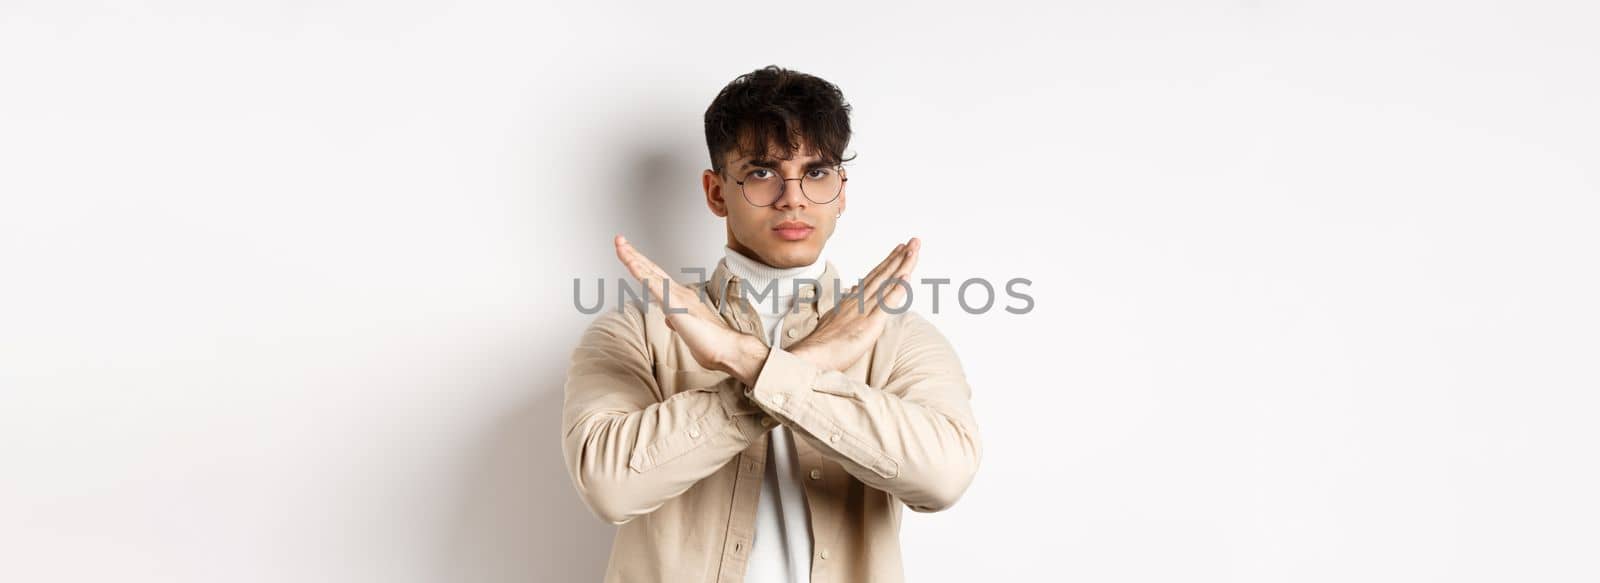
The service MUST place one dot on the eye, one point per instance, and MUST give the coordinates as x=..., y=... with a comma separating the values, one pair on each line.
x=819, y=173
x=759, y=174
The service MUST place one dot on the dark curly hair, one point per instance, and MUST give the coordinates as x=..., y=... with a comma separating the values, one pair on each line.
x=774, y=105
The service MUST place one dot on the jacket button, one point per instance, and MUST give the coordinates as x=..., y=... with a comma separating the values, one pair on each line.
x=833, y=438
x=793, y=332
x=816, y=474
x=767, y=422
x=694, y=432
x=824, y=553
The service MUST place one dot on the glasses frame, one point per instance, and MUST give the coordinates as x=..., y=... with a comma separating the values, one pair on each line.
x=784, y=187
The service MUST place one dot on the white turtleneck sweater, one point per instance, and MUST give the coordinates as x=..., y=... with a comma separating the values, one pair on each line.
x=781, y=551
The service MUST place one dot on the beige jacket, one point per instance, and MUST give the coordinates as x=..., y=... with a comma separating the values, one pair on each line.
x=675, y=453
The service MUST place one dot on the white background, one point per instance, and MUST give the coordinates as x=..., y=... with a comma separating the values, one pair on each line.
x=285, y=288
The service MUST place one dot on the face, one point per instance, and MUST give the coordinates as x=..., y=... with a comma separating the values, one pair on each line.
x=789, y=233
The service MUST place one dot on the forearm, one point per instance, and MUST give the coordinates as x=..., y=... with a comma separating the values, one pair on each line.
x=921, y=445
x=627, y=464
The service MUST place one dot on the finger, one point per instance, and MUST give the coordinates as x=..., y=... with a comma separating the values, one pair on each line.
x=881, y=265
x=892, y=292
x=642, y=268
x=854, y=295
x=654, y=278
x=635, y=258
x=896, y=294
x=913, y=250
x=630, y=259
x=874, y=286
x=877, y=272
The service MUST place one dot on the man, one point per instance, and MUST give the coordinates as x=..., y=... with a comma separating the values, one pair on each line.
x=771, y=440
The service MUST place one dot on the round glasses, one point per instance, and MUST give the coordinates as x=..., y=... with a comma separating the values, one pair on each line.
x=764, y=187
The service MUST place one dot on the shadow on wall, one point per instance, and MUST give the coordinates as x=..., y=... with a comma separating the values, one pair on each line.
x=522, y=519
x=662, y=208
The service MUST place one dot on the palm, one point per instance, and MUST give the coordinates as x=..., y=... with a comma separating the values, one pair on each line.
x=847, y=331
x=708, y=337
x=853, y=333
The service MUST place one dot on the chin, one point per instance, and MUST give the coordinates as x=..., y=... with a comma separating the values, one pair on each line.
x=782, y=258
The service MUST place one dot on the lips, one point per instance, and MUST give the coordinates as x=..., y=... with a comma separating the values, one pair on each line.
x=792, y=230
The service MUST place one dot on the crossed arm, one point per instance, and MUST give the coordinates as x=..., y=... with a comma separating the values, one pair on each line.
x=630, y=449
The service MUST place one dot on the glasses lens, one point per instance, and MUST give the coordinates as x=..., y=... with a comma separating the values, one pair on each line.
x=762, y=186
x=822, y=185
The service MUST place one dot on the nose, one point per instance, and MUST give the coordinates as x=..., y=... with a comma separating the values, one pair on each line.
x=791, y=197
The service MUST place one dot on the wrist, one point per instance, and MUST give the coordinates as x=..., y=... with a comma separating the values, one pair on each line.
x=745, y=361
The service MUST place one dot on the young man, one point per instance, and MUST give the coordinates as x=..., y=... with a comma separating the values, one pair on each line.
x=766, y=425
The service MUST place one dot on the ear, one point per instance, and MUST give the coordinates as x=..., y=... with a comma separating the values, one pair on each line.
x=844, y=189
x=712, y=183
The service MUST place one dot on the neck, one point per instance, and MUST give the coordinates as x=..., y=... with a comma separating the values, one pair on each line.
x=760, y=275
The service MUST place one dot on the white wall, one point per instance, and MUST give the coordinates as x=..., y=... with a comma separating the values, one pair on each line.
x=285, y=288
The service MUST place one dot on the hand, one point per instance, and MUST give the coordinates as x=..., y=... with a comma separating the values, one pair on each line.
x=845, y=333
x=712, y=343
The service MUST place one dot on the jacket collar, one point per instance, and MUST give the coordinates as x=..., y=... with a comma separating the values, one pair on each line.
x=724, y=284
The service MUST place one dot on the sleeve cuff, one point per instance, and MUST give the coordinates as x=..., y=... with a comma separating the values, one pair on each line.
x=744, y=414
x=785, y=389
x=734, y=401
x=784, y=383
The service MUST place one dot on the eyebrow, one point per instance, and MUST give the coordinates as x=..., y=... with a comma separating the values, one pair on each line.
x=768, y=163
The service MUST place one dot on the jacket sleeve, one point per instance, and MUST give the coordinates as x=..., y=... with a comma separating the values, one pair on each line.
x=628, y=448
x=915, y=437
